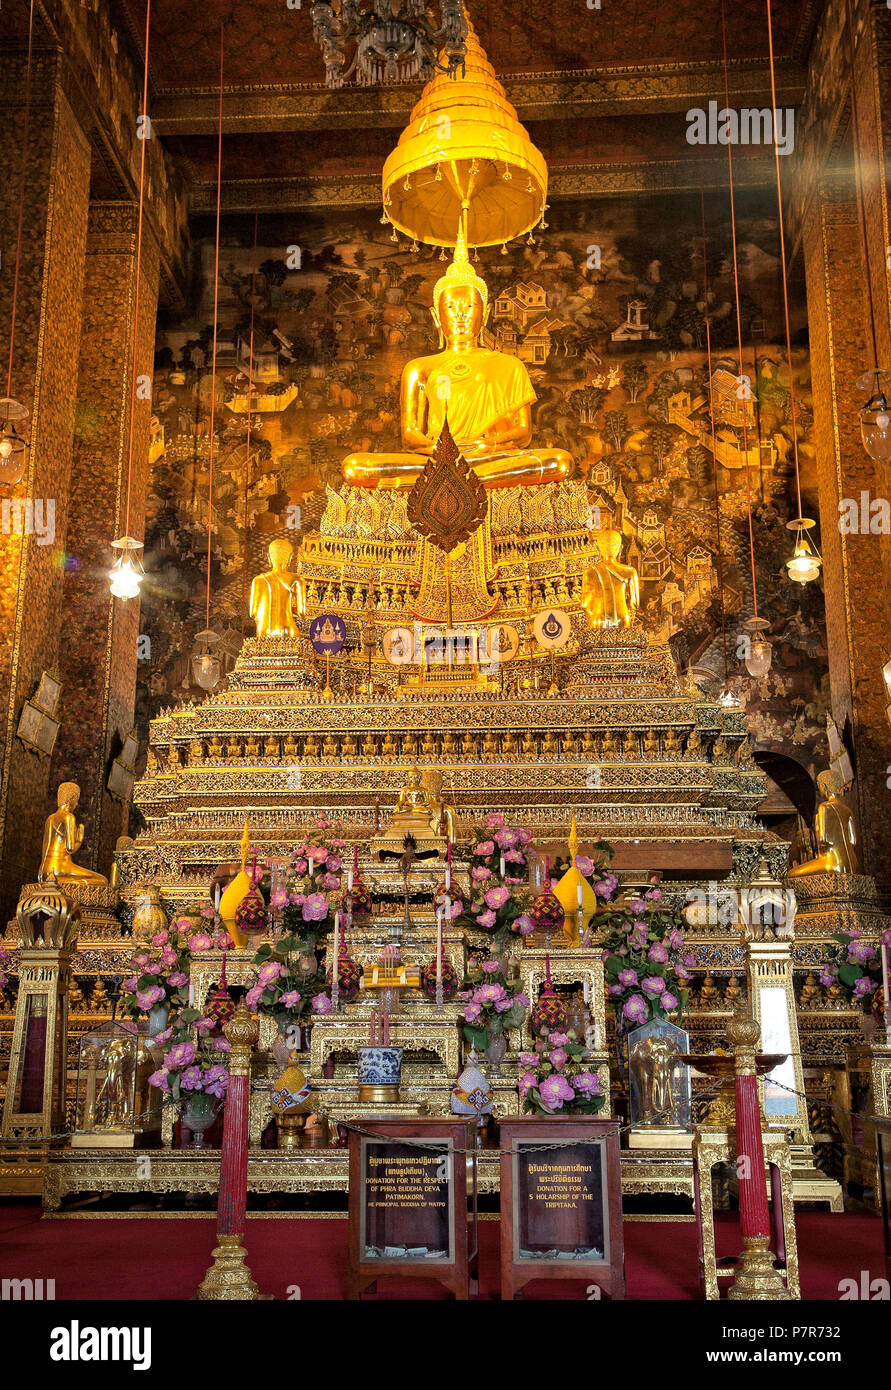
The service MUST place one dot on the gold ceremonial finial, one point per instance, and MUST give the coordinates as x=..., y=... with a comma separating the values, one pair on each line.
x=245, y=844
x=460, y=273
x=573, y=841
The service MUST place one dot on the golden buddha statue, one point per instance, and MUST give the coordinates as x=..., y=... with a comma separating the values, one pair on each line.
x=509, y=744
x=490, y=747
x=252, y=747
x=449, y=746
x=672, y=745
x=610, y=590
x=610, y=743
x=270, y=748
x=549, y=746
x=311, y=750
x=441, y=805
x=62, y=837
x=588, y=747
x=487, y=396
x=694, y=744
x=350, y=747
x=414, y=813
x=835, y=831
x=529, y=748
x=428, y=744
x=272, y=592
x=196, y=751
x=369, y=747
x=629, y=744
x=233, y=747
x=651, y=743
x=389, y=748
x=468, y=745
x=568, y=744
x=215, y=748
x=291, y=748
x=329, y=749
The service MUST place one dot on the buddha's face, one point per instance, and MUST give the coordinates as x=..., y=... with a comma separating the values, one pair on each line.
x=460, y=315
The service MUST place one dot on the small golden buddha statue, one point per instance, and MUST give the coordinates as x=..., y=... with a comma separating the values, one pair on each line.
x=468, y=746
x=414, y=813
x=215, y=748
x=442, y=808
x=196, y=751
x=329, y=749
x=428, y=744
x=62, y=837
x=835, y=832
x=350, y=748
x=720, y=750
x=252, y=747
x=487, y=395
x=549, y=746
x=732, y=992
x=233, y=748
x=529, y=746
x=389, y=747
x=449, y=745
x=270, y=748
x=610, y=744
x=369, y=747
x=694, y=744
x=272, y=592
x=509, y=744
x=651, y=743
x=588, y=746
x=311, y=750
x=490, y=749
x=610, y=590
x=709, y=992
x=291, y=748
x=810, y=993
x=568, y=744
x=671, y=744
x=629, y=744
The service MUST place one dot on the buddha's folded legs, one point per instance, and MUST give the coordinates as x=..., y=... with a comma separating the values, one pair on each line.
x=525, y=469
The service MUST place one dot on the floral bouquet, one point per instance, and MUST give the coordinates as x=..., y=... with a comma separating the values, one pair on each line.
x=160, y=968
x=647, y=968
x=192, y=1066
x=856, y=966
x=492, y=1007
x=275, y=991
x=500, y=864
x=312, y=886
x=555, y=1077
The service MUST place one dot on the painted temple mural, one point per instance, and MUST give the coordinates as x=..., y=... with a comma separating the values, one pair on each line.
x=606, y=310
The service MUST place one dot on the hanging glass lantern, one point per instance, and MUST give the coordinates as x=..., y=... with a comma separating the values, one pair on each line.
x=126, y=574
x=205, y=662
x=760, y=650
x=13, y=445
x=875, y=417
x=805, y=562
x=886, y=676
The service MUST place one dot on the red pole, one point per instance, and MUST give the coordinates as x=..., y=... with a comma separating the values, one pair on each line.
x=756, y=1277
x=229, y=1277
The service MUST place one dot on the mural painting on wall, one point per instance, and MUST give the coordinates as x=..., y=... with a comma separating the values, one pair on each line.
x=606, y=311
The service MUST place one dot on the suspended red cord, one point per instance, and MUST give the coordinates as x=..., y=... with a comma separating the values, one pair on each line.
x=711, y=407
x=216, y=296
x=739, y=316
x=776, y=151
x=26, y=131
x=247, y=459
x=144, y=143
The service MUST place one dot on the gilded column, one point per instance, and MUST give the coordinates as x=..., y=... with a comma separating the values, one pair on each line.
x=98, y=658
x=47, y=339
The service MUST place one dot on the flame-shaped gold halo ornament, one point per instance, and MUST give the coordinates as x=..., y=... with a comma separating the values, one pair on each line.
x=465, y=150
x=447, y=502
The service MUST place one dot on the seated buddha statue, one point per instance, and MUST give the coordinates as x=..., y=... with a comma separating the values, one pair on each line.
x=272, y=592
x=589, y=746
x=414, y=813
x=672, y=746
x=62, y=837
x=835, y=832
x=369, y=747
x=449, y=745
x=329, y=748
x=529, y=747
x=610, y=590
x=350, y=749
x=428, y=744
x=490, y=746
x=442, y=808
x=389, y=747
x=486, y=394
x=610, y=743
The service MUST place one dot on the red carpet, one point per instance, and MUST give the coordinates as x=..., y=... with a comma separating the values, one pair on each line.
x=166, y=1257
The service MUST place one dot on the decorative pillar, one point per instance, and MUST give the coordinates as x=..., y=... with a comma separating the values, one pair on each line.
x=98, y=659
x=756, y=1278
x=45, y=363
x=229, y=1278
x=34, y=1107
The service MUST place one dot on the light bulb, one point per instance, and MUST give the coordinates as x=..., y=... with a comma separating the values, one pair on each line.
x=125, y=578
x=875, y=417
x=6, y=447
x=206, y=669
x=805, y=562
x=759, y=658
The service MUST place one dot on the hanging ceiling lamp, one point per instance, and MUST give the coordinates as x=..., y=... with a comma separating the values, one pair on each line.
x=805, y=562
x=205, y=661
x=464, y=148
x=760, y=650
x=875, y=417
x=13, y=445
x=127, y=573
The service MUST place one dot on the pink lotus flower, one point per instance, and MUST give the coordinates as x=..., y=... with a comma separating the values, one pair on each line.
x=653, y=984
x=668, y=1000
x=216, y=1081
x=480, y=873
x=180, y=1055
x=472, y=1012
x=653, y=895
x=252, y=998
x=321, y=1004
x=494, y=820
x=203, y=1026
x=584, y=865
x=528, y=1059
x=333, y=863
x=606, y=886
x=269, y=972
x=487, y=920
x=514, y=856
x=497, y=897
x=207, y=911
x=160, y=1079
x=160, y=1039
x=201, y=941
x=300, y=866
x=506, y=838
x=864, y=986
x=290, y=999
x=587, y=1082
x=315, y=908
x=524, y=925
x=554, y=1090
x=491, y=967
x=558, y=1058
x=148, y=998
x=627, y=977
x=177, y=978
x=558, y=1039
x=191, y=1079
x=657, y=953
x=279, y=898
x=635, y=1009
x=484, y=849
x=161, y=938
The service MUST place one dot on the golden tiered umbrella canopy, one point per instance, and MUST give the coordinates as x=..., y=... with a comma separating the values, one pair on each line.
x=464, y=149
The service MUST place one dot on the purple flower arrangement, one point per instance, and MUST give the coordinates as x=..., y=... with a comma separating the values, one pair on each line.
x=160, y=968
x=192, y=1065
x=855, y=965
x=499, y=877
x=556, y=1078
x=492, y=1007
x=646, y=964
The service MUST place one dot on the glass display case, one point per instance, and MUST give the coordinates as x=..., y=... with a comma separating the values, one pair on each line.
x=659, y=1084
x=115, y=1105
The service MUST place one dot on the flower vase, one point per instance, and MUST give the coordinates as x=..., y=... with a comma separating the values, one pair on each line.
x=198, y=1114
x=495, y=1052
x=157, y=1019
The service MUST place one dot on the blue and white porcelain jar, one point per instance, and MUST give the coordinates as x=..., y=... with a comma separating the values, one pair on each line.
x=380, y=1072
